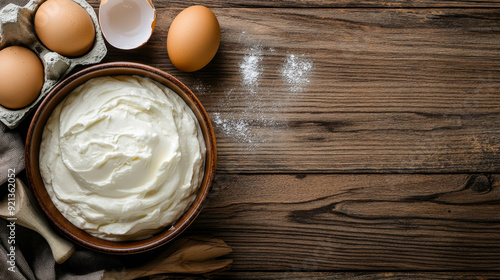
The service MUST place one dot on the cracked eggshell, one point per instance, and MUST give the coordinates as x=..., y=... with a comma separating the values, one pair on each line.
x=16, y=28
x=127, y=24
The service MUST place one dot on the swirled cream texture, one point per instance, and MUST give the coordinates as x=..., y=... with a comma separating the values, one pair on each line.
x=122, y=157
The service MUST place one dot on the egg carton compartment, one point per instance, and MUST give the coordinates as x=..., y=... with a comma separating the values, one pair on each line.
x=16, y=28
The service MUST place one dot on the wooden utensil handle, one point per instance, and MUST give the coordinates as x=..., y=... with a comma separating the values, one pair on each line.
x=189, y=255
x=31, y=217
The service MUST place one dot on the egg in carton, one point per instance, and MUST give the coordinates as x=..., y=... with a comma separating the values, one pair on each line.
x=16, y=28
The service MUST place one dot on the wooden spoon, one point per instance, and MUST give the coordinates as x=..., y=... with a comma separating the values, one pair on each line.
x=28, y=215
x=190, y=255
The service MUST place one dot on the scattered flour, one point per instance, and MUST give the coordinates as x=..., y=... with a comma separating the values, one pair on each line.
x=251, y=69
x=242, y=124
x=200, y=88
x=238, y=128
x=295, y=72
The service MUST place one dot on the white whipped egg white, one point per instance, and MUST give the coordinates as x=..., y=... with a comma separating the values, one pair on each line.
x=122, y=157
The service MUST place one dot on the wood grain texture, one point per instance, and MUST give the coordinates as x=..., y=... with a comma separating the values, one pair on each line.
x=361, y=275
x=383, y=90
x=330, y=275
x=356, y=222
x=328, y=4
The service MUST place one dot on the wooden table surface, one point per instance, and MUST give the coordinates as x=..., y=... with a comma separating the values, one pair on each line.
x=356, y=139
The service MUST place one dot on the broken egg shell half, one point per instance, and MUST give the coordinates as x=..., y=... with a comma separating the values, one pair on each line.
x=127, y=24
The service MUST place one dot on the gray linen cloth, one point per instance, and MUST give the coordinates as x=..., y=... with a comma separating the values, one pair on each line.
x=33, y=257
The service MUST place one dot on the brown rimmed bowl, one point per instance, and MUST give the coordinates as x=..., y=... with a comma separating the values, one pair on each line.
x=32, y=150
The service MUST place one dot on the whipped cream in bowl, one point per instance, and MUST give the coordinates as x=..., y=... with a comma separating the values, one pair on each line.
x=121, y=157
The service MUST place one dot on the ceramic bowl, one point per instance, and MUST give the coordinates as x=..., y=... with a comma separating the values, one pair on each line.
x=34, y=136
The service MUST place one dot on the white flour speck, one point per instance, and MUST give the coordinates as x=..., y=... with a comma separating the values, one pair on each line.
x=200, y=88
x=251, y=69
x=237, y=128
x=295, y=72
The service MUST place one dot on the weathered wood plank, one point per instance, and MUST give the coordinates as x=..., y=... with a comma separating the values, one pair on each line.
x=358, y=275
x=327, y=4
x=373, y=90
x=351, y=222
x=329, y=275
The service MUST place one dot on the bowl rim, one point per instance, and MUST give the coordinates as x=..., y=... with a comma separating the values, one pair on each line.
x=33, y=141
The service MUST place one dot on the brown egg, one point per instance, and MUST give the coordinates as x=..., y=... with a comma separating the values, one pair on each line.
x=21, y=77
x=193, y=38
x=64, y=27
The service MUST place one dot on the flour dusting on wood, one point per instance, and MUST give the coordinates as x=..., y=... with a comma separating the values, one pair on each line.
x=251, y=69
x=242, y=124
x=238, y=128
x=295, y=72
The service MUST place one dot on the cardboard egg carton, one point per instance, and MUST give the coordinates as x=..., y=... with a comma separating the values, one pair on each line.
x=16, y=28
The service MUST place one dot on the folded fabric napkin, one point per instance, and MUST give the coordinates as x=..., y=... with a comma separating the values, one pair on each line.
x=11, y=153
